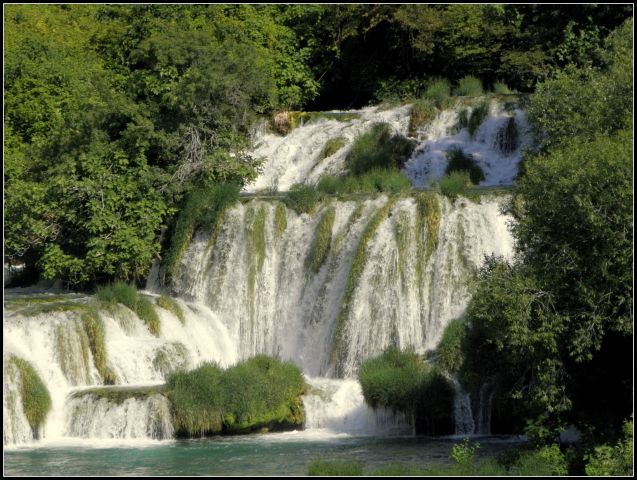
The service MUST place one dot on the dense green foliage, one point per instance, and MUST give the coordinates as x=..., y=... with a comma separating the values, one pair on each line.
x=460, y=161
x=378, y=148
x=584, y=102
x=403, y=382
x=259, y=393
x=422, y=111
x=36, y=400
x=607, y=460
x=551, y=330
x=332, y=146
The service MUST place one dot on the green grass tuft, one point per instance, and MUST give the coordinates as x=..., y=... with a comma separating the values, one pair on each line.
x=36, y=400
x=145, y=310
x=439, y=91
x=374, y=181
x=94, y=328
x=322, y=240
x=173, y=307
x=501, y=88
x=127, y=295
x=280, y=220
x=119, y=395
x=459, y=161
x=329, y=468
x=303, y=198
x=202, y=209
x=378, y=148
x=455, y=184
x=422, y=111
x=469, y=86
x=332, y=146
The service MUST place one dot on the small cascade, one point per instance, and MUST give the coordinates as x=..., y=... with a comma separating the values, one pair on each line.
x=496, y=146
x=98, y=417
x=16, y=428
x=484, y=409
x=462, y=414
x=55, y=341
x=296, y=157
x=338, y=406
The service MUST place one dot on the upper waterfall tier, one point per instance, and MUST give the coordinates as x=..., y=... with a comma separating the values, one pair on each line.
x=389, y=271
x=495, y=141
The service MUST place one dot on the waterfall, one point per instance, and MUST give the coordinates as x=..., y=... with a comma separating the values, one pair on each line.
x=462, y=414
x=91, y=416
x=55, y=344
x=277, y=305
x=497, y=156
x=396, y=271
x=338, y=406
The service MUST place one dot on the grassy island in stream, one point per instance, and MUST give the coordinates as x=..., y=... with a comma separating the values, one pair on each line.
x=258, y=394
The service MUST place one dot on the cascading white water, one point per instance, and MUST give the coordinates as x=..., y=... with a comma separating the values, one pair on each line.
x=89, y=416
x=338, y=406
x=56, y=346
x=295, y=158
x=282, y=307
x=497, y=159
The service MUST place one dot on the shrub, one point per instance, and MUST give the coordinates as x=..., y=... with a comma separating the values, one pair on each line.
x=403, y=382
x=203, y=208
x=173, y=307
x=501, y=88
x=469, y=86
x=548, y=461
x=464, y=456
x=422, y=111
x=344, y=468
x=36, y=400
x=322, y=240
x=617, y=460
x=477, y=116
x=261, y=392
x=449, y=352
x=332, y=146
x=331, y=184
x=303, y=198
x=454, y=184
x=379, y=149
x=459, y=161
x=439, y=90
